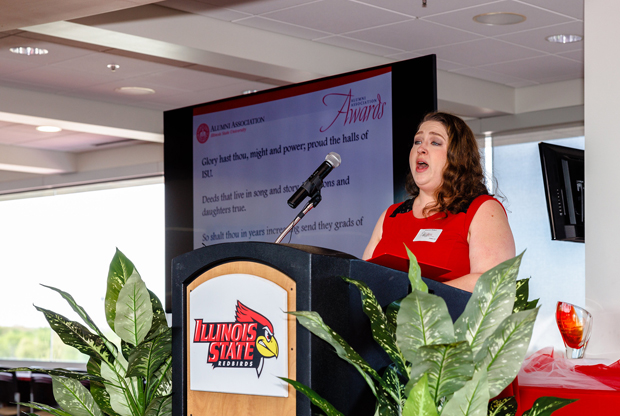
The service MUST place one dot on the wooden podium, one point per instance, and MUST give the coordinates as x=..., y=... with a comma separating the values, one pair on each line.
x=260, y=342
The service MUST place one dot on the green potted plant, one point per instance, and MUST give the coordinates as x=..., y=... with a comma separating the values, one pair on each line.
x=133, y=379
x=441, y=368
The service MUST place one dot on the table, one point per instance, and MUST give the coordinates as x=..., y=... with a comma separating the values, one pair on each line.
x=590, y=402
x=547, y=373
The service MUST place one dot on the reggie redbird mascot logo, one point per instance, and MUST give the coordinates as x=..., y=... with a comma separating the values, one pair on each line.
x=244, y=343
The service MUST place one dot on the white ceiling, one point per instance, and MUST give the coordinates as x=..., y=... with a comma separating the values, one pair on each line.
x=194, y=51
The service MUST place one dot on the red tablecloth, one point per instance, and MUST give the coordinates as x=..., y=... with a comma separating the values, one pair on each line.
x=597, y=387
x=590, y=402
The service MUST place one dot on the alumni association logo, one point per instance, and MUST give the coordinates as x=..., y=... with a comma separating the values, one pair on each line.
x=202, y=134
x=244, y=343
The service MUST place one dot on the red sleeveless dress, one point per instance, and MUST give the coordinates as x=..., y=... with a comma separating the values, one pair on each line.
x=437, y=241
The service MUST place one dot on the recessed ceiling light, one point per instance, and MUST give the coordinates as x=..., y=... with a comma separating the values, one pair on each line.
x=27, y=50
x=49, y=129
x=499, y=18
x=246, y=92
x=564, y=38
x=135, y=90
x=113, y=67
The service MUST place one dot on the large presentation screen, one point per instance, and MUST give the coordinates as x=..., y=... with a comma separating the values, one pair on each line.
x=231, y=165
x=249, y=159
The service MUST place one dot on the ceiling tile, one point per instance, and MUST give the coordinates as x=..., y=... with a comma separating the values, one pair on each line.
x=441, y=64
x=448, y=66
x=414, y=8
x=96, y=64
x=463, y=19
x=8, y=66
x=336, y=16
x=281, y=27
x=540, y=68
x=56, y=53
x=574, y=55
x=200, y=97
x=108, y=90
x=187, y=79
x=573, y=8
x=537, y=38
x=413, y=35
x=8, y=81
x=53, y=77
x=358, y=45
x=481, y=52
x=487, y=75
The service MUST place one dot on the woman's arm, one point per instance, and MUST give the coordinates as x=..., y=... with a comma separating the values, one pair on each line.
x=374, y=238
x=490, y=243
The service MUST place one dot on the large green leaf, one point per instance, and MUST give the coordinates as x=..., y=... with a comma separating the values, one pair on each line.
x=388, y=402
x=313, y=322
x=46, y=408
x=545, y=406
x=120, y=270
x=423, y=319
x=146, y=358
x=522, y=293
x=472, y=399
x=126, y=349
x=134, y=312
x=82, y=314
x=420, y=402
x=161, y=383
x=394, y=381
x=124, y=392
x=74, y=398
x=415, y=273
x=379, y=325
x=503, y=352
x=391, y=312
x=448, y=366
x=491, y=302
x=503, y=407
x=76, y=375
x=160, y=324
x=160, y=406
x=316, y=400
x=97, y=389
x=77, y=336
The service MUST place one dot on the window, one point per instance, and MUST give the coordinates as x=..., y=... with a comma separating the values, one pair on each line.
x=556, y=268
x=66, y=238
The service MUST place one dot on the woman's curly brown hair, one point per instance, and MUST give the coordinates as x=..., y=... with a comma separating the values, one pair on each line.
x=463, y=177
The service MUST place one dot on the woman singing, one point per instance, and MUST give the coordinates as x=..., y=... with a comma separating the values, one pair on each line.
x=451, y=221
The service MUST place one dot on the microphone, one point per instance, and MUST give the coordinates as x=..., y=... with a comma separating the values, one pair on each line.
x=315, y=182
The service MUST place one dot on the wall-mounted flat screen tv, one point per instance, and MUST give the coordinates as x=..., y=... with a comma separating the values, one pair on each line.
x=564, y=180
x=231, y=165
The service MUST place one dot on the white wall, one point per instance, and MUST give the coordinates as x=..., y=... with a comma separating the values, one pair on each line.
x=602, y=112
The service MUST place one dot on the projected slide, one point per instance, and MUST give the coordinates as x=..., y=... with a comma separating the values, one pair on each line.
x=248, y=159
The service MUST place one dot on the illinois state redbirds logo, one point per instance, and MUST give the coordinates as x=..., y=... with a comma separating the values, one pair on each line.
x=245, y=343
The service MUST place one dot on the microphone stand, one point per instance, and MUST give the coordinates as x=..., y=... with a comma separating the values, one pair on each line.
x=314, y=201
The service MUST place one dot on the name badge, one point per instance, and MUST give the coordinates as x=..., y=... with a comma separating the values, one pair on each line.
x=430, y=234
